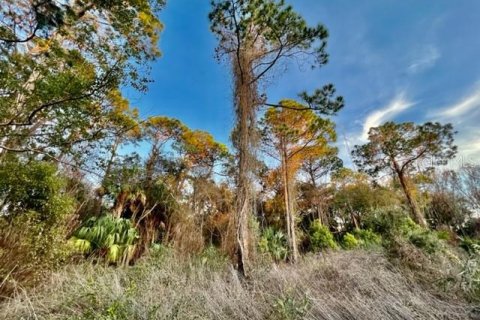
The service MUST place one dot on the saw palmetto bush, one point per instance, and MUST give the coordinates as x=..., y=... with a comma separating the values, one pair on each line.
x=107, y=237
x=274, y=242
x=152, y=210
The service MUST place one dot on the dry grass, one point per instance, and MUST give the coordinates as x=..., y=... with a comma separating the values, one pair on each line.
x=339, y=285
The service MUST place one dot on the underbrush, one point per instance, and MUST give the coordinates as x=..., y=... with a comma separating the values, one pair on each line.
x=335, y=285
x=430, y=257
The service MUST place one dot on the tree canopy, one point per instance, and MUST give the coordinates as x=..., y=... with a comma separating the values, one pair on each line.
x=63, y=64
x=404, y=147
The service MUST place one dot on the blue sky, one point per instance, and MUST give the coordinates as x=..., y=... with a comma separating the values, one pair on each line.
x=402, y=60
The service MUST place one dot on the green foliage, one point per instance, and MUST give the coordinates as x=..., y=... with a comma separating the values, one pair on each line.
x=361, y=197
x=288, y=307
x=213, y=259
x=361, y=238
x=108, y=237
x=399, y=147
x=274, y=243
x=426, y=240
x=367, y=238
x=282, y=30
x=391, y=223
x=404, y=143
x=388, y=221
x=32, y=186
x=62, y=68
x=408, y=226
x=30, y=247
x=320, y=237
x=34, y=214
x=471, y=246
x=33, y=199
x=349, y=241
x=444, y=235
x=124, y=172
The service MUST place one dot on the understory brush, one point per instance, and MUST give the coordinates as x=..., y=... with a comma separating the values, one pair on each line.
x=427, y=255
x=321, y=237
x=341, y=285
x=35, y=214
x=274, y=243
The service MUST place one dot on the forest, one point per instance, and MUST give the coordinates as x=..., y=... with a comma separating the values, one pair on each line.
x=274, y=225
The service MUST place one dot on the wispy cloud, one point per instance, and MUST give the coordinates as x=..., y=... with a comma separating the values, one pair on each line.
x=425, y=60
x=468, y=148
x=462, y=107
x=378, y=117
x=464, y=114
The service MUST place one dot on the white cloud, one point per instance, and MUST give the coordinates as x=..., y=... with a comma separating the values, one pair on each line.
x=462, y=107
x=464, y=114
x=378, y=117
x=468, y=150
x=471, y=150
x=426, y=60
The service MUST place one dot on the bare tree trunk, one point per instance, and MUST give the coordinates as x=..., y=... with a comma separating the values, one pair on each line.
x=244, y=139
x=113, y=154
x=289, y=209
x=415, y=210
x=287, y=201
x=354, y=220
x=151, y=163
x=321, y=214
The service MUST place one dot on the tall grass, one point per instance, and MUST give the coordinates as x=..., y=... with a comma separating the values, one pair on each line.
x=337, y=285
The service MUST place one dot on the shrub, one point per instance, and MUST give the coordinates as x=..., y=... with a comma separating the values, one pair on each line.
x=471, y=246
x=34, y=215
x=274, y=243
x=407, y=226
x=108, y=237
x=470, y=276
x=287, y=307
x=213, y=259
x=394, y=224
x=426, y=240
x=421, y=238
x=321, y=237
x=387, y=221
x=367, y=238
x=349, y=241
x=446, y=208
x=445, y=235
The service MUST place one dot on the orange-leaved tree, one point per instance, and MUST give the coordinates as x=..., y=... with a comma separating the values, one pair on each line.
x=292, y=135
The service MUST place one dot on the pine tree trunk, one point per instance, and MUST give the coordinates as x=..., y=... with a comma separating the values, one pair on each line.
x=289, y=209
x=415, y=210
x=151, y=162
x=292, y=223
x=244, y=140
x=321, y=214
